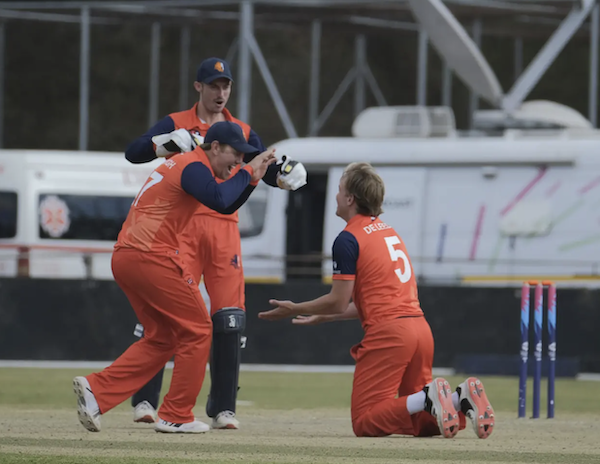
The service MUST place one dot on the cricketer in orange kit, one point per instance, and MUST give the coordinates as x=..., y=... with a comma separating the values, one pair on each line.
x=393, y=391
x=148, y=266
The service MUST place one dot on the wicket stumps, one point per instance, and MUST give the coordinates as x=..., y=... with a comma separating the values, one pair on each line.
x=537, y=330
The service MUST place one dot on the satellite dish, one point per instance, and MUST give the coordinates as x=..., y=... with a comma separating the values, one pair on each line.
x=464, y=57
x=458, y=49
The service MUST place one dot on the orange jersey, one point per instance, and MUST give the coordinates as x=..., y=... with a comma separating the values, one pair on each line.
x=162, y=209
x=189, y=120
x=372, y=254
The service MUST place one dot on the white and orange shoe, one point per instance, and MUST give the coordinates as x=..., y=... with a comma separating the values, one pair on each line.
x=438, y=403
x=475, y=405
x=144, y=412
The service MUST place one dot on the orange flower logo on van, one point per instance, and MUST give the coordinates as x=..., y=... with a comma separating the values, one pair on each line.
x=54, y=216
x=219, y=66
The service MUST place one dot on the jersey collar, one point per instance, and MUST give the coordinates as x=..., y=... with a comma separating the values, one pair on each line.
x=360, y=218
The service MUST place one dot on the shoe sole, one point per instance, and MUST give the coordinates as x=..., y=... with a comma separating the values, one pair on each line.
x=442, y=401
x=176, y=430
x=85, y=417
x=227, y=427
x=148, y=419
x=482, y=414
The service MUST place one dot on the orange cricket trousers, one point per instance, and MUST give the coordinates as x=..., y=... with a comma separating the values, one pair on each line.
x=211, y=247
x=393, y=361
x=176, y=323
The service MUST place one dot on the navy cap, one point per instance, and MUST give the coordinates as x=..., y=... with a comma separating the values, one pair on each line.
x=230, y=134
x=211, y=69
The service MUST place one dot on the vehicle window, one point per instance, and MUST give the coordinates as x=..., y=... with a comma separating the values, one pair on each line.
x=82, y=217
x=8, y=214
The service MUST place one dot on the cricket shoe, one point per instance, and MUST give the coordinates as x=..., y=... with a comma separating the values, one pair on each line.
x=438, y=403
x=189, y=427
x=144, y=412
x=225, y=420
x=88, y=410
x=475, y=405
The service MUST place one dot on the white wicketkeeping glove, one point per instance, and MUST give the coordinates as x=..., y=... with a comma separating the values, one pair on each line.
x=292, y=174
x=178, y=141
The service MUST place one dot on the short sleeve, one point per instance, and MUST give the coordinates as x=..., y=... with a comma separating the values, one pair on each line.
x=345, y=256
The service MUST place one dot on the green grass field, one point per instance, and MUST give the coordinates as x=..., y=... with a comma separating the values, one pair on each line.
x=286, y=418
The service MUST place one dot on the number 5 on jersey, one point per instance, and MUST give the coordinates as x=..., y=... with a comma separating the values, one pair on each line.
x=395, y=254
x=154, y=179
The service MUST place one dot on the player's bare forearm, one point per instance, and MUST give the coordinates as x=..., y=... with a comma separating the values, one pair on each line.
x=324, y=305
x=349, y=314
x=335, y=302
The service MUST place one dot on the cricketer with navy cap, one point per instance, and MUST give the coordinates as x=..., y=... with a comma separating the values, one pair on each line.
x=230, y=133
x=211, y=69
x=211, y=234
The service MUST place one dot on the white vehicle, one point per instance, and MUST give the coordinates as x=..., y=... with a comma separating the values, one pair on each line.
x=483, y=210
x=61, y=212
x=521, y=204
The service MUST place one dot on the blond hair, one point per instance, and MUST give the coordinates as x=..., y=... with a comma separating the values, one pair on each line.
x=366, y=186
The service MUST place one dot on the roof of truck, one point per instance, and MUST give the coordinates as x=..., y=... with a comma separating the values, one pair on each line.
x=455, y=151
